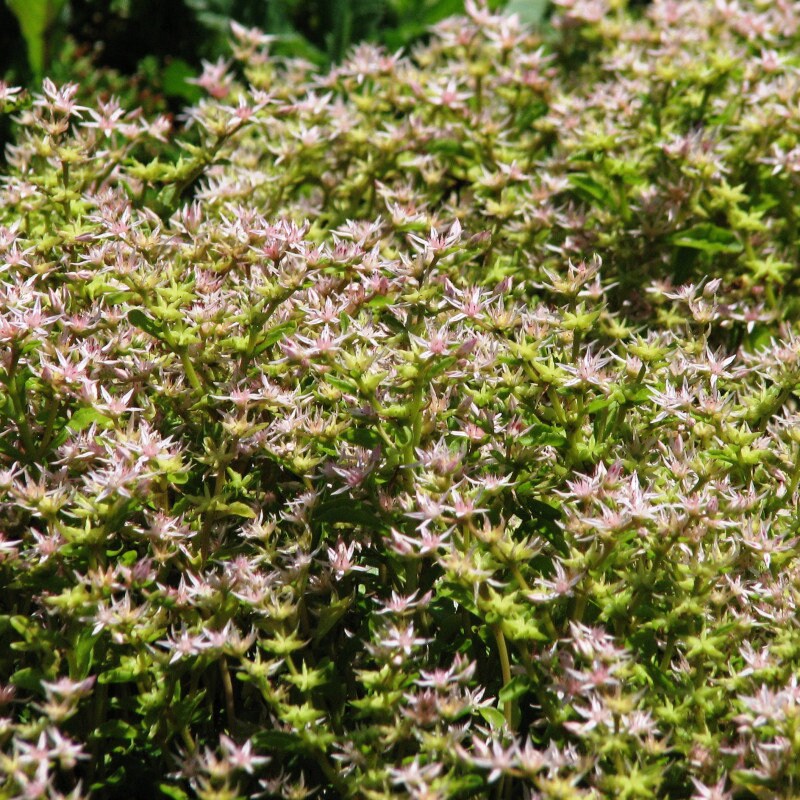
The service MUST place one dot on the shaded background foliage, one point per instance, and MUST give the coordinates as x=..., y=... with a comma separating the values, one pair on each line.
x=145, y=50
x=121, y=34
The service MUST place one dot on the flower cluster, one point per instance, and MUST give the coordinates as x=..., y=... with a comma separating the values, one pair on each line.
x=427, y=428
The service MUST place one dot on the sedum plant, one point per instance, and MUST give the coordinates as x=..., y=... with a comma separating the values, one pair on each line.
x=425, y=428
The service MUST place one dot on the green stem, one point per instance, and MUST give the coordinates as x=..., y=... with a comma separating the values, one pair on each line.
x=47, y=436
x=227, y=688
x=580, y=606
x=65, y=182
x=576, y=346
x=412, y=576
x=257, y=324
x=194, y=380
x=555, y=400
x=521, y=582
x=17, y=396
x=547, y=618
x=100, y=696
x=505, y=670
x=210, y=516
x=415, y=413
x=188, y=740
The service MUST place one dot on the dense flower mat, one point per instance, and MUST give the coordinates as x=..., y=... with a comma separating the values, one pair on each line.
x=425, y=429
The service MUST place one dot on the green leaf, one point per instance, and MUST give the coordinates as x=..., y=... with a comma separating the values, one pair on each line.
x=544, y=435
x=362, y=436
x=116, y=778
x=174, y=81
x=20, y=623
x=590, y=188
x=471, y=785
x=709, y=239
x=278, y=740
x=330, y=614
x=494, y=717
x=379, y=301
x=115, y=729
x=514, y=689
x=167, y=198
x=173, y=792
x=82, y=654
x=598, y=404
x=636, y=395
x=446, y=147
x=178, y=478
x=344, y=509
x=140, y=320
x=85, y=416
x=750, y=780
x=542, y=510
x=530, y=12
x=130, y=672
x=341, y=384
x=36, y=21
x=416, y=18
x=760, y=337
x=543, y=518
x=438, y=365
x=276, y=334
x=238, y=509
x=459, y=595
x=28, y=678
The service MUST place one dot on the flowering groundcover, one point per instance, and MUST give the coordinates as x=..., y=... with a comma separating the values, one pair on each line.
x=427, y=428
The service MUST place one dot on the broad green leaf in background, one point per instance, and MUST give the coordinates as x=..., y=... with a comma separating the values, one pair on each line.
x=590, y=188
x=415, y=17
x=530, y=12
x=514, y=689
x=36, y=19
x=175, y=81
x=709, y=239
